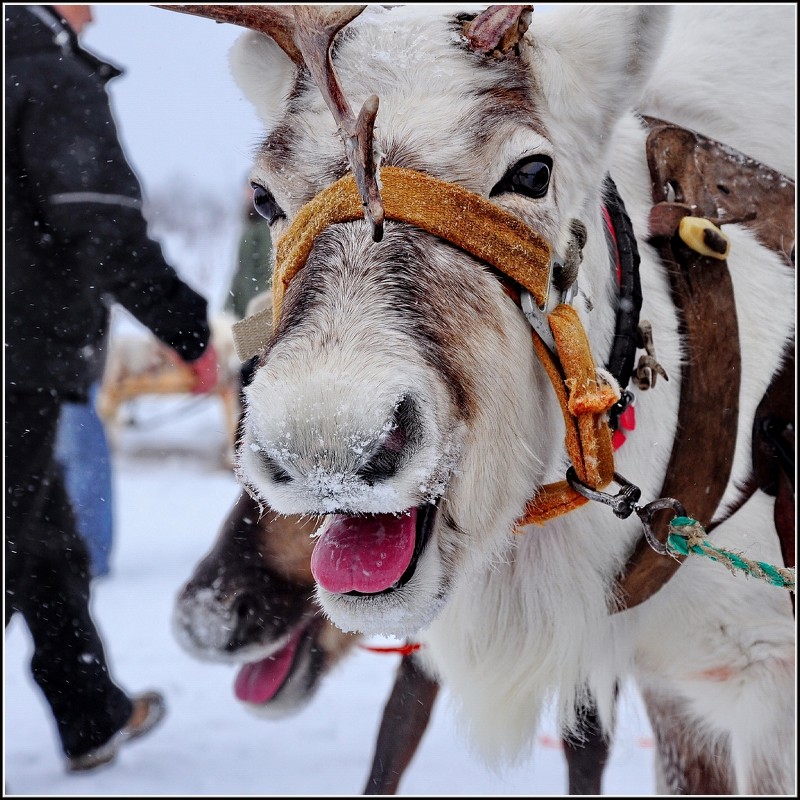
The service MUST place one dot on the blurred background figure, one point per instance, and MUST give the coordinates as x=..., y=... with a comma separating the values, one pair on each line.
x=253, y=272
x=250, y=288
x=75, y=242
x=82, y=449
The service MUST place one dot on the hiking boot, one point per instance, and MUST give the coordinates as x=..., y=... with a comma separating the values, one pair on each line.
x=148, y=710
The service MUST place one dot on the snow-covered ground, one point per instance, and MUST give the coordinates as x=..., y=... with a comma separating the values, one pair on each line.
x=173, y=489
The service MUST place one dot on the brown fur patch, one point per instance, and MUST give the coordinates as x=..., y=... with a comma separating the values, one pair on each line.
x=688, y=764
x=286, y=545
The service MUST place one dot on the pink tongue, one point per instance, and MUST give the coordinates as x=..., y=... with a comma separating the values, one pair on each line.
x=259, y=682
x=364, y=554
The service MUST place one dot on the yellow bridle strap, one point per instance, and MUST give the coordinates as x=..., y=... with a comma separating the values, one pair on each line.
x=448, y=211
x=585, y=397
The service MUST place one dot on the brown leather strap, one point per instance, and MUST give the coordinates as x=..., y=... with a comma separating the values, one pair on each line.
x=712, y=180
x=692, y=174
x=702, y=453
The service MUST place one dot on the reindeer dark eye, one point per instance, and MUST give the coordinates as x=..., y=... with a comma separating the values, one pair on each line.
x=264, y=203
x=530, y=177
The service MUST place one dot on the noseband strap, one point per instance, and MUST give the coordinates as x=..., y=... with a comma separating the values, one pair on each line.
x=446, y=210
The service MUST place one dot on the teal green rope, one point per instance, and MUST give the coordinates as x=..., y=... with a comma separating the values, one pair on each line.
x=686, y=535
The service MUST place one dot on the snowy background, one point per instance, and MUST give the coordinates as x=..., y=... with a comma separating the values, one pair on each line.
x=189, y=135
x=173, y=489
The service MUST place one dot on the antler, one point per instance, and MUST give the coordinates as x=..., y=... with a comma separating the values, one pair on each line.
x=278, y=23
x=498, y=29
x=317, y=27
x=305, y=34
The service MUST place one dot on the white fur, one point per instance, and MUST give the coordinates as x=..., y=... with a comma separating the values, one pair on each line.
x=512, y=623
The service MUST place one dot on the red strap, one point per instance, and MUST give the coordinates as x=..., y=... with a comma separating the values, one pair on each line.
x=404, y=650
x=613, y=234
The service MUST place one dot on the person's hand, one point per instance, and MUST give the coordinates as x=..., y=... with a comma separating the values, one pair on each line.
x=205, y=370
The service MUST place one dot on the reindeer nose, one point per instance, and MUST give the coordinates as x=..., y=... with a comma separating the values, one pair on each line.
x=248, y=621
x=265, y=612
x=390, y=451
x=381, y=460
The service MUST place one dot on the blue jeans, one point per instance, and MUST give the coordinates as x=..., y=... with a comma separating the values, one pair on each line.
x=82, y=448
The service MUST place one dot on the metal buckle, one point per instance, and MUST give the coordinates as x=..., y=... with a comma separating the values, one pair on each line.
x=537, y=319
x=537, y=315
x=623, y=504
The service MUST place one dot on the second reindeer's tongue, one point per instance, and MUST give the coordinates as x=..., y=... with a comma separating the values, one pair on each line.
x=259, y=682
x=364, y=554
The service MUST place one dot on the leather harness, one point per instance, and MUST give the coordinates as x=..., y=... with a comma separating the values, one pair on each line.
x=693, y=175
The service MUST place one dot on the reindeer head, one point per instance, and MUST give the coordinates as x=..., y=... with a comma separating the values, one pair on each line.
x=399, y=393
x=250, y=602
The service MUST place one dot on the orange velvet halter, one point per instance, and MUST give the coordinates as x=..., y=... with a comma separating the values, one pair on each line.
x=488, y=232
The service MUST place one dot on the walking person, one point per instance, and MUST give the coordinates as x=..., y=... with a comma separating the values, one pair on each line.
x=75, y=240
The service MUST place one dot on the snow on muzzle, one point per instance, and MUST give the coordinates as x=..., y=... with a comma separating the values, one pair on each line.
x=372, y=553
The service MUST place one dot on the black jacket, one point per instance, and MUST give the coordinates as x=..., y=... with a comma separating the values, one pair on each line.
x=75, y=238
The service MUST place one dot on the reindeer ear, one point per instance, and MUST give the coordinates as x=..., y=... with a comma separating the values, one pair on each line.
x=498, y=30
x=264, y=73
x=592, y=62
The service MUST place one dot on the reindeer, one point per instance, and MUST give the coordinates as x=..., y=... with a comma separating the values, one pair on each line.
x=250, y=602
x=446, y=381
